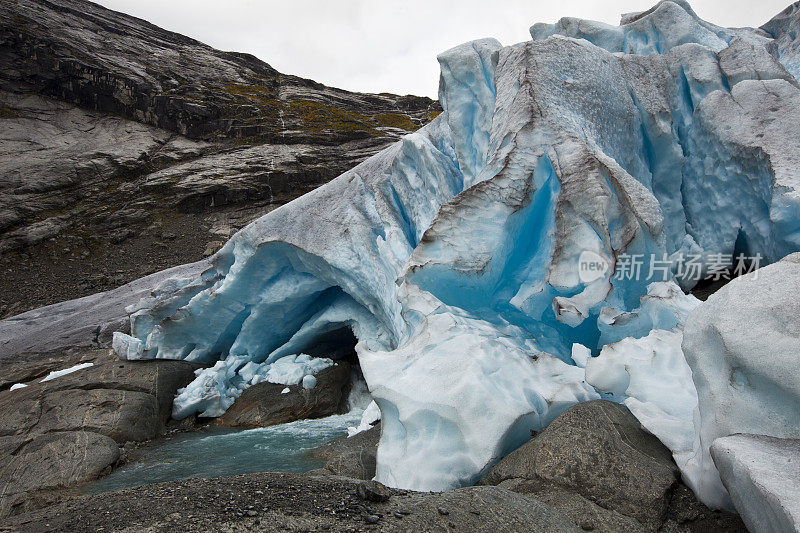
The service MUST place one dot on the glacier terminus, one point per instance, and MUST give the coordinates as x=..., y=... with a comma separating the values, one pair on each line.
x=453, y=256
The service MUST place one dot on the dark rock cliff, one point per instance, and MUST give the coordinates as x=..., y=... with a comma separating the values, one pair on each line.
x=126, y=148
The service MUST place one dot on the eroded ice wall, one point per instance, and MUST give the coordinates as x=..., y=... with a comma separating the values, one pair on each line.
x=454, y=255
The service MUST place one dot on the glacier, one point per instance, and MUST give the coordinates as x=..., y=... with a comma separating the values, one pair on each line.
x=743, y=347
x=454, y=256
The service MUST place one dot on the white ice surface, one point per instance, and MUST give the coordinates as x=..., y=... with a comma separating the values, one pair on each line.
x=216, y=388
x=371, y=415
x=743, y=346
x=762, y=475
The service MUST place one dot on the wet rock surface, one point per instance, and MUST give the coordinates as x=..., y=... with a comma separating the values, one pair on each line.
x=35, y=467
x=126, y=149
x=68, y=430
x=596, y=464
x=353, y=457
x=265, y=404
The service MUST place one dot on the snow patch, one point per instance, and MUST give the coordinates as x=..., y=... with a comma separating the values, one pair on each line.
x=58, y=373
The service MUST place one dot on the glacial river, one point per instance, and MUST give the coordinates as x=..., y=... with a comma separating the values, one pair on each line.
x=216, y=452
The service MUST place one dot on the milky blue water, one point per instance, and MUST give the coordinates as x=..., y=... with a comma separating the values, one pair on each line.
x=218, y=452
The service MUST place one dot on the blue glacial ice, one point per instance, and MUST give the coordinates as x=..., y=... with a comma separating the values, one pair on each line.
x=453, y=255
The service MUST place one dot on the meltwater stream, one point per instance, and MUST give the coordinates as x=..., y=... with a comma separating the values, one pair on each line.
x=217, y=452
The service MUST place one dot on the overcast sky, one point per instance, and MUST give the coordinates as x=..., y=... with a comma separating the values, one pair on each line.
x=388, y=45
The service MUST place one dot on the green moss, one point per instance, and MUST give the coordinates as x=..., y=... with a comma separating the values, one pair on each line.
x=257, y=93
x=317, y=117
x=433, y=114
x=396, y=120
x=7, y=112
x=311, y=116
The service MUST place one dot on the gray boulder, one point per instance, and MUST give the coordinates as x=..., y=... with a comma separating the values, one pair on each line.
x=264, y=404
x=600, y=451
x=127, y=401
x=598, y=466
x=25, y=367
x=67, y=431
x=762, y=475
x=159, y=379
x=584, y=513
x=353, y=457
x=119, y=414
x=51, y=461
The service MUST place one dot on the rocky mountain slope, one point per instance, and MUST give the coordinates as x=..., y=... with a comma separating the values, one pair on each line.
x=126, y=148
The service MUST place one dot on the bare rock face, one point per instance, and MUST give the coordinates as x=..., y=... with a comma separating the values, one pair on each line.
x=265, y=404
x=98, y=59
x=68, y=430
x=353, y=457
x=51, y=461
x=597, y=464
x=126, y=149
x=599, y=450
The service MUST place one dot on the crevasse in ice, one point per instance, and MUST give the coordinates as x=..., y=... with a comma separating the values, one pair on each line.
x=453, y=255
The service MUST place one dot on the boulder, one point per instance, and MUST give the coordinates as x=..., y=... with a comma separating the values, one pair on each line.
x=596, y=465
x=52, y=461
x=265, y=404
x=22, y=368
x=372, y=491
x=119, y=414
x=352, y=457
x=743, y=346
x=599, y=451
x=127, y=401
x=583, y=512
x=159, y=379
x=762, y=475
x=67, y=430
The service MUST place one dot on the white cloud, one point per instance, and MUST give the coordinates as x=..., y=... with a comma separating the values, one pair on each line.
x=387, y=45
